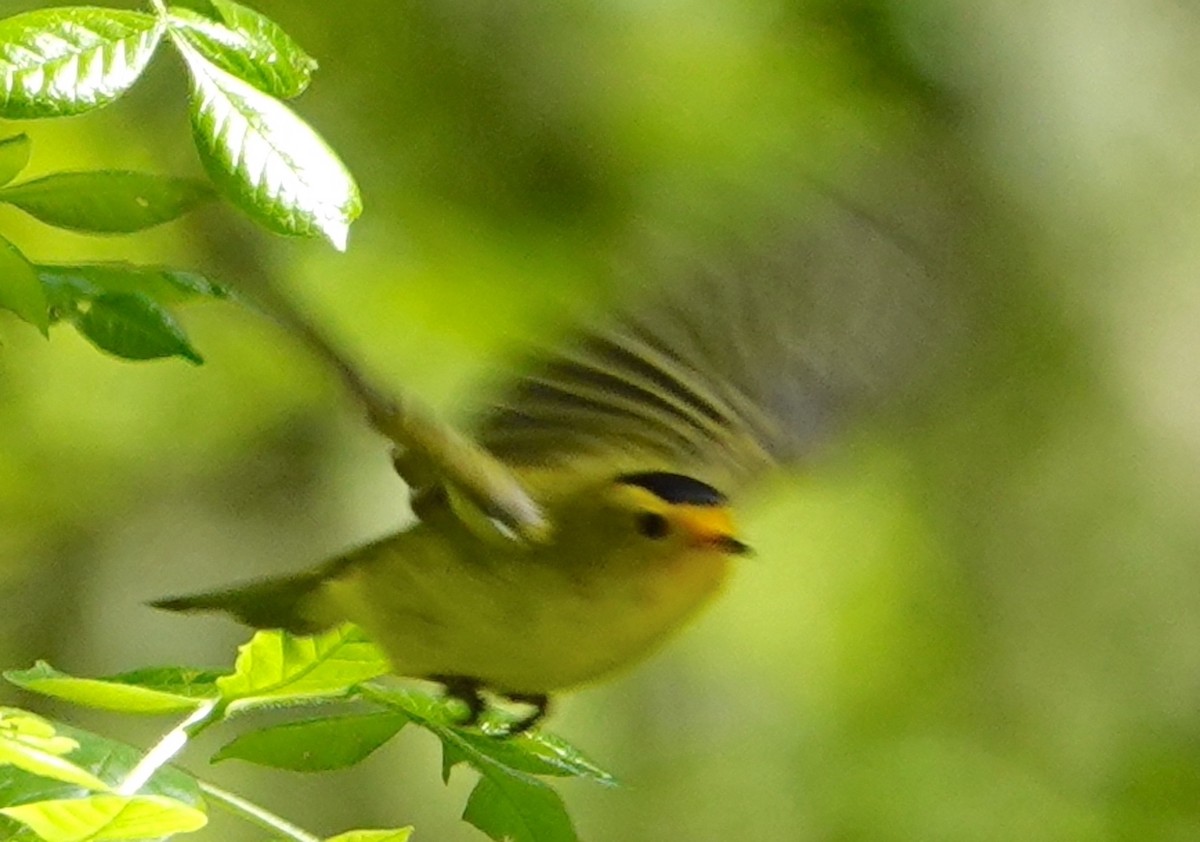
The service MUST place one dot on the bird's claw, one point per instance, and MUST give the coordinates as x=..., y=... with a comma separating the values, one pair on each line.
x=469, y=691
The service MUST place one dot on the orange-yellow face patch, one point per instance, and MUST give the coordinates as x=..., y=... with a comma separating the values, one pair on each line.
x=708, y=526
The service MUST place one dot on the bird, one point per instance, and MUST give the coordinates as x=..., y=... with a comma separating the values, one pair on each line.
x=636, y=435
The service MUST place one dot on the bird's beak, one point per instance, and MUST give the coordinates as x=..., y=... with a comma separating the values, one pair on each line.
x=731, y=545
x=713, y=527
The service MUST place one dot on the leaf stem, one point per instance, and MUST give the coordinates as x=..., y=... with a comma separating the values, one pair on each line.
x=170, y=745
x=254, y=814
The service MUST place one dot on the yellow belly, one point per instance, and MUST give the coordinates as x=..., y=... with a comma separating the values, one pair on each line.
x=518, y=622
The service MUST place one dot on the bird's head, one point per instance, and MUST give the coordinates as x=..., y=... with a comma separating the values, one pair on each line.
x=673, y=508
x=648, y=516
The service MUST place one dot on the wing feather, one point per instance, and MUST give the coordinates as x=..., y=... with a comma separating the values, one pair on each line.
x=738, y=364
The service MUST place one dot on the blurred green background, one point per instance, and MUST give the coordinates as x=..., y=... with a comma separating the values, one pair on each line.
x=984, y=628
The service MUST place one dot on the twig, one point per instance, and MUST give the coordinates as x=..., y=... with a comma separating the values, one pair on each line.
x=479, y=476
x=251, y=812
x=170, y=745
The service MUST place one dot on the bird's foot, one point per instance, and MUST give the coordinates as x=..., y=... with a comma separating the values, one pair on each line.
x=541, y=707
x=469, y=691
x=466, y=690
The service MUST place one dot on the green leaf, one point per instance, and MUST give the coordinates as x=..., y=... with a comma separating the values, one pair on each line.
x=20, y=290
x=107, y=201
x=118, y=305
x=14, y=156
x=68, y=286
x=507, y=803
x=399, y=834
x=315, y=745
x=279, y=668
x=106, y=759
x=159, y=691
x=537, y=752
x=249, y=45
x=107, y=817
x=57, y=62
x=134, y=327
x=202, y=7
x=30, y=743
x=265, y=159
x=517, y=808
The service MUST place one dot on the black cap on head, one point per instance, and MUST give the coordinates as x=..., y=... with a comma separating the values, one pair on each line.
x=675, y=488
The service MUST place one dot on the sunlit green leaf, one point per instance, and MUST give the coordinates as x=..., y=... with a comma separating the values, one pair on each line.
x=107, y=201
x=187, y=682
x=201, y=7
x=106, y=759
x=134, y=327
x=29, y=743
x=14, y=156
x=30, y=726
x=161, y=691
x=316, y=745
x=400, y=834
x=67, y=286
x=422, y=708
x=249, y=45
x=107, y=817
x=56, y=62
x=265, y=159
x=109, y=761
x=20, y=290
x=280, y=668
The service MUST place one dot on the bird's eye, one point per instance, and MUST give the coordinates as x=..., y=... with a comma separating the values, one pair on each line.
x=653, y=525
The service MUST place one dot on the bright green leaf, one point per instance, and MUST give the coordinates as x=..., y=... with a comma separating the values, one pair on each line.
x=67, y=286
x=265, y=159
x=400, y=834
x=280, y=668
x=517, y=808
x=30, y=743
x=57, y=62
x=202, y=7
x=14, y=156
x=107, y=201
x=107, y=817
x=168, y=690
x=134, y=327
x=22, y=723
x=107, y=760
x=20, y=290
x=420, y=707
x=249, y=45
x=315, y=745
x=187, y=682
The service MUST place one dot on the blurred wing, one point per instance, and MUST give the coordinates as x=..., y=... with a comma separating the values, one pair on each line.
x=741, y=365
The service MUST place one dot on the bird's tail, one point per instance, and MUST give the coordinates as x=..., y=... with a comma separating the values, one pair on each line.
x=280, y=603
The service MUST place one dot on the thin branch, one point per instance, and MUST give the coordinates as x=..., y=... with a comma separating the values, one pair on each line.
x=480, y=477
x=254, y=814
x=170, y=745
